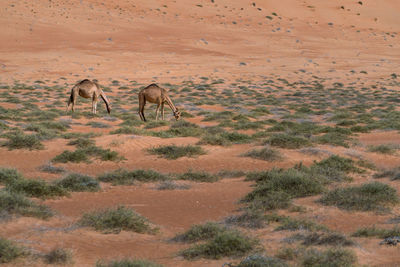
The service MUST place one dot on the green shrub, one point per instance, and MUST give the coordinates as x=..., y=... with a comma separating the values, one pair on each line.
x=288, y=141
x=171, y=185
x=83, y=154
x=175, y=152
x=334, y=138
x=214, y=140
x=36, y=188
x=20, y=140
x=393, y=174
x=9, y=175
x=377, y=232
x=236, y=138
x=79, y=183
x=125, y=177
x=371, y=196
x=71, y=156
x=82, y=142
x=200, y=232
x=250, y=218
x=266, y=153
x=9, y=251
x=117, y=219
x=334, y=257
x=321, y=239
x=339, y=163
x=58, y=256
x=261, y=261
x=225, y=244
x=17, y=204
x=383, y=149
x=198, y=177
x=271, y=201
x=128, y=263
x=51, y=169
x=291, y=224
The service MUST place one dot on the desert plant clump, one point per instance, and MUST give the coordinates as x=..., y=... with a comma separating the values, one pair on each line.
x=125, y=177
x=171, y=185
x=127, y=263
x=79, y=183
x=383, y=149
x=58, y=256
x=8, y=175
x=288, y=223
x=261, y=261
x=377, y=232
x=20, y=140
x=198, y=176
x=9, y=251
x=266, y=153
x=175, y=152
x=50, y=168
x=82, y=142
x=225, y=244
x=17, y=204
x=321, y=239
x=288, y=141
x=200, y=232
x=36, y=188
x=393, y=174
x=117, y=219
x=83, y=154
x=372, y=196
x=333, y=257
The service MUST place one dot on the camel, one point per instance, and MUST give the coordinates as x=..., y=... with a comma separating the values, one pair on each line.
x=157, y=95
x=88, y=89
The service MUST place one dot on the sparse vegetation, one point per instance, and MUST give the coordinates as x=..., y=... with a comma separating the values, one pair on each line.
x=266, y=153
x=175, y=152
x=36, y=188
x=125, y=177
x=58, y=256
x=9, y=175
x=128, y=263
x=198, y=177
x=79, y=183
x=117, y=219
x=20, y=140
x=377, y=232
x=288, y=141
x=9, y=251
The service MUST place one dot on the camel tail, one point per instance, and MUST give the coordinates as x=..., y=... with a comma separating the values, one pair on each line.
x=103, y=96
x=71, y=98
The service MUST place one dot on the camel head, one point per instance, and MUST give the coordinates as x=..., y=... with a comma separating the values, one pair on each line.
x=177, y=114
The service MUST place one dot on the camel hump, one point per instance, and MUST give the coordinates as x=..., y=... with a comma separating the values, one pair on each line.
x=86, y=83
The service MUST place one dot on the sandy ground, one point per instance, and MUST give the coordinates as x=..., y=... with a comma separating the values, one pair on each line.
x=174, y=41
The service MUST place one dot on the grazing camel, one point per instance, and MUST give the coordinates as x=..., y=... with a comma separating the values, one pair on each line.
x=88, y=89
x=157, y=95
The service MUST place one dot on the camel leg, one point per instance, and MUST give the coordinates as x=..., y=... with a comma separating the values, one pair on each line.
x=142, y=103
x=162, y=110
x=157, y=110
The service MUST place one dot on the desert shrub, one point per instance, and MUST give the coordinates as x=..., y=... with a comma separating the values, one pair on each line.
x=36, y=188
x=377, y=232
x=291, y=224
x=58, y=256
x=20, y=140
x=214, y=140
x=393, y=174
x=155, y=124
x=82, y=142
x=198, y=177
x=128, y=263
x=125, y=177
x=225, y=244
x=334, y=257
x=334, y=138
x=371, y=196
x=171, y=185
x=250, y=218
x=9, y=251
x=71, y=156
x=79, y=183
x=17, y=204
x=320, y=239
x=236, y=138
x=271, y=201
x=129, y=130
x=266, y=153
x=175, y=152
x=231, y=173
x=224, y=115
x=117, y=219
x=51, y=169
x=383, y=149
x=338, y=163
x=262, y=261
x=288, y=141
x=8, y=175
x=96, y=124
x=200, y=232
x=246, y=125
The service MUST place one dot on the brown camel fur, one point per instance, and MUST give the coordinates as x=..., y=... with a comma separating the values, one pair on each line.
x=157, y=95
x=88, y=89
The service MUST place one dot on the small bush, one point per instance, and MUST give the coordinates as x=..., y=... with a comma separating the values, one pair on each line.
x=371, y=196
x=200, y=232
x=51, y=169
x=125, y=177
x=236, y=138
x=79, y=183
x=82, y=142
x=9, y=175
x=128, y=263
x=250, y=218
x=117, y=219
x=58, y=256
x=71, y=156
x=377, y=232
x=288, y=141
x=261, y=261
x=334, y=138
x=334, y=257
x=393, y=174
x=198, y=177
x=331, y=239
x=339, y=163
x=175, y=152
x=17, y=204
x=291, y=224
x=83, y=154
x=225, y=244
x=383, y=149
x=171, y=185
x=21, y=140
x=271, y=201
x=214, y=140
x=9, y=251
x=36, y=188
x=266, y=153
